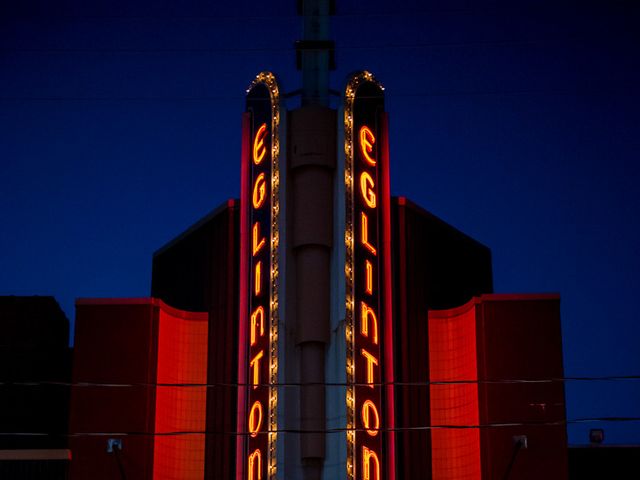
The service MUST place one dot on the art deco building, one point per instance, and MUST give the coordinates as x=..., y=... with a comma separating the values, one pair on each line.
x=318, y=328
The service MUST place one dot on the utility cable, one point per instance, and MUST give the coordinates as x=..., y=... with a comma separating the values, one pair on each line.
x=368, y=46
x=517, y=446
x=347, y=13
x=326, y=384
x=117, y=453
x=618, y=90
x=558, y=423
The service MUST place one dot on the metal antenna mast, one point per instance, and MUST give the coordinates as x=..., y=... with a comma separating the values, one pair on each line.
x=315, y=53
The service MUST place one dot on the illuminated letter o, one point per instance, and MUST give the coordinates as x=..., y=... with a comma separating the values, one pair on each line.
x=368, y=412
x=259, y=191
x=256, y=423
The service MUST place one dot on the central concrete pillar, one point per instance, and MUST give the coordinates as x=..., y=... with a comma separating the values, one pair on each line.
x=312, y=162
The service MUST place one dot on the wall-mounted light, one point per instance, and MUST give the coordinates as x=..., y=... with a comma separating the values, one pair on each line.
x=596, y=436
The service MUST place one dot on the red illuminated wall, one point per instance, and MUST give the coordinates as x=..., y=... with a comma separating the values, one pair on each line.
x=510, y=344
x=182, y=359
x=128, y=346
x=452, y=358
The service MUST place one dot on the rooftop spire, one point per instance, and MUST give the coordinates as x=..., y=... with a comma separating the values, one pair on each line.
x=315, y=53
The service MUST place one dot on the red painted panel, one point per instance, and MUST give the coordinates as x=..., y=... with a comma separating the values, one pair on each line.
x=243, y=293
x=114, y=344
x=519, y=337
x=452, y=358
x=182, y=359
x=387, y=297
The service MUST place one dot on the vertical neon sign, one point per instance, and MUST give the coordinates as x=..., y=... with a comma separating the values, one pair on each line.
x=258, y=352
x=370, y=451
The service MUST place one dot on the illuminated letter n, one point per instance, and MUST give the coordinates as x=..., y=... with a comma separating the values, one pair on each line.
x=255, y=465
x=370, y=465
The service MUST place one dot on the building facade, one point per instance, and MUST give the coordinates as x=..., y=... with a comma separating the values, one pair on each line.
x=318, y=328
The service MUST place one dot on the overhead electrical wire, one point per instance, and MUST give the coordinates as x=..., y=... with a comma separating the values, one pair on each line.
x=557, y=423
x=611, y=90
x=338, y=47
x=327, y=384
x=349, y=13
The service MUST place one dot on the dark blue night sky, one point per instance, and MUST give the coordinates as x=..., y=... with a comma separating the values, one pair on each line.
x=517, y=122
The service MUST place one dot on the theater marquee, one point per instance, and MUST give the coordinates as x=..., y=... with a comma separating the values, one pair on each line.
x=258, y=332
x=370, y=439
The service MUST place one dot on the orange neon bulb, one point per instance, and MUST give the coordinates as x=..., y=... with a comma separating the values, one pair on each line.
x=369, y=411
x=257, y=286
x=364, y=234
x=366, y=190
x=368, y=286
x=255, y=465
x=367, y=313
x=259, y=150
x=255, y=364
x=257, y=318
x=259, y=191
x=369, y=457
x=257, y=244
x=255, y=423
x=366, y=144
x=371, y=361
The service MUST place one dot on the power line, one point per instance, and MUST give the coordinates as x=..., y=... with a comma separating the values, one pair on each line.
x=611, y=90
x=368, y=46
x=327, y=384
x=347, y=14
x=334, y=430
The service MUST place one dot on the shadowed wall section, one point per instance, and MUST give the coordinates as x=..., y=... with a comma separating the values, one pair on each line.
x=435, y=266
x=128, y=354
x=502, y=352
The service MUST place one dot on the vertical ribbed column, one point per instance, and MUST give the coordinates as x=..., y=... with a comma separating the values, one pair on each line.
x=312, y=155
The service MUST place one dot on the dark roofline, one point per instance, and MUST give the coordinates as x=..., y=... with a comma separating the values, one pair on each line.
x=200, y=223
x=405, y=202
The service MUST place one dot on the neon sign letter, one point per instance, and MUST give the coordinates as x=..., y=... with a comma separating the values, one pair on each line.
x=368, y=457
x=257, y=318
x=369, y=410
x=257, y=244
x=367, y=313
x=255, y=465
x=259, y=191
x=366, y=189
x=259, y=150
x=366, y=144
x=255, y=423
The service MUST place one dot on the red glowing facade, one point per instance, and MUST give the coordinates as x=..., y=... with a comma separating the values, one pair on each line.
x=455, y=452
x=182, y=360
x=138, y=389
